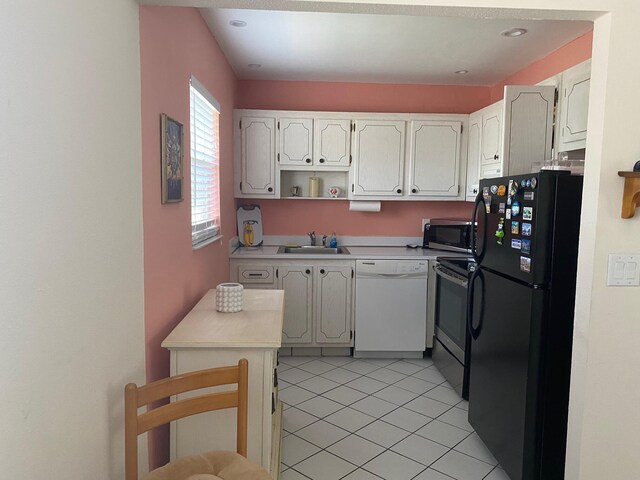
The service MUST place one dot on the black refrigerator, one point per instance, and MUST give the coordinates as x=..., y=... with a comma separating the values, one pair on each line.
x=520, y=317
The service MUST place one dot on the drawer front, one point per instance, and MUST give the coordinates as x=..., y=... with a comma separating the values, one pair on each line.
x=255, y=274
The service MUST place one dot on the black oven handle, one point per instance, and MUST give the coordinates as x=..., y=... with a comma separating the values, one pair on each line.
x=474, y=238
x=475, y=332
x=445, y=273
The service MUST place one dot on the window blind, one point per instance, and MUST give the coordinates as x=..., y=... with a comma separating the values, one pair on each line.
x=205, y=155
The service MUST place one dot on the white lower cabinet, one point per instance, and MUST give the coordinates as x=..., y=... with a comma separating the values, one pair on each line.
x=333, y=304
x=318, y=304
x=297, y=283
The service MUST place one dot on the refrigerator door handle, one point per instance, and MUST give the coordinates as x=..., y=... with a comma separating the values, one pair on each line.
x=474, y=238
x=474, y=332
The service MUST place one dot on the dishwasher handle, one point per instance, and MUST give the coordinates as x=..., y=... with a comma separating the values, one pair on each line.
x=391, y=275
x=444, y=273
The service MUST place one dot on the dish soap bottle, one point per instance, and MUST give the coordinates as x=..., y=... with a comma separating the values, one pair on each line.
x=333, y=242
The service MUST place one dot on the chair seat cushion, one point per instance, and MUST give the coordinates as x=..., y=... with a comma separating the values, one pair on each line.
x=210, y=466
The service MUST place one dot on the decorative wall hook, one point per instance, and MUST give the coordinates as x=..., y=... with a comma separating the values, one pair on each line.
x=631, y=194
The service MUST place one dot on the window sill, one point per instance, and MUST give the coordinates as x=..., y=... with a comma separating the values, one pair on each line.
x=206, y=242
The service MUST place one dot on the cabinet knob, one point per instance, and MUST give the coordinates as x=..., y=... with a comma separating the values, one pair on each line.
x=322, y=160
x=495, y=157
x=322, y=271
x=308, y=160
x=270, y=189
x=307, y=271
x=414, y=190
x=399, y=190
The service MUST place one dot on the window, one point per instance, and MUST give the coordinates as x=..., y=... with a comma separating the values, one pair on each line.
x=205, y=155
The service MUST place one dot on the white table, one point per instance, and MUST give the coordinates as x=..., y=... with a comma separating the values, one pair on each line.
x=206, y=338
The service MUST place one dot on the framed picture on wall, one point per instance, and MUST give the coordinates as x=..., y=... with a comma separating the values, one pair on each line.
x=172, y=154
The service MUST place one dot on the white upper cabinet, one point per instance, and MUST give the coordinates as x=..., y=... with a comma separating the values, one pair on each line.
x=528, y=127
x=258, y=156
x=434, y=158
x=574, y=107
x=379, y=158
x=473, y=156
x=332, y=143
x=296, y=141
x=491, y=138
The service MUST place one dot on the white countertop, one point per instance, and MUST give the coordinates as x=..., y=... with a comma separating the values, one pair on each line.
x=356, y=253
x=258, y=325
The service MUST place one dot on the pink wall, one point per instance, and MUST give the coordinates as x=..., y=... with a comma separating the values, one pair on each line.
x=297, y=217
x=360, y=97
x=565, y=57
x=175, y=43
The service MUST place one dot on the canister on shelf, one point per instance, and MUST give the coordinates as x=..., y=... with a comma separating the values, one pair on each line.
x=314, y=186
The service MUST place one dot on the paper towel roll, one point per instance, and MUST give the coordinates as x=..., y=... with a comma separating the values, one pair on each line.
x=364, y=206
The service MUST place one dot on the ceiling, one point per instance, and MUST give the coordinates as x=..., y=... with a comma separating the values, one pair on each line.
x=348, y=47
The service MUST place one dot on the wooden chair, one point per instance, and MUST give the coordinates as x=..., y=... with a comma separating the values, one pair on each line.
x=232, y=465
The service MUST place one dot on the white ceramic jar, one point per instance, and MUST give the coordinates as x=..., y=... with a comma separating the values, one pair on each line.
x=229, y=297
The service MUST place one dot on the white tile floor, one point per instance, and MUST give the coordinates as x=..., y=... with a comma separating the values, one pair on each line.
x=362, y=419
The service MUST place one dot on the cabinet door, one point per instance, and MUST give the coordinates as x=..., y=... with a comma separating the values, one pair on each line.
x=574, y=108
x=258, y=155
x=332, y=140
x=297, y=283
x=379, y=158
x=296, y=141
x=473, y=156
x=491, y=136
x=528, y=127
x=333, y=304
x=434, y=158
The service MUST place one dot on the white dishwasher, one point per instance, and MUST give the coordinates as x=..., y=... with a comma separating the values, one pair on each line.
x=391, y=308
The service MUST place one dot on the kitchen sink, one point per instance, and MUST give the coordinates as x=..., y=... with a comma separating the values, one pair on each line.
x=308, y=249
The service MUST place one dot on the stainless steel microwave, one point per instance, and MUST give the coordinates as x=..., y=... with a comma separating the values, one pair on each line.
x=452, y=234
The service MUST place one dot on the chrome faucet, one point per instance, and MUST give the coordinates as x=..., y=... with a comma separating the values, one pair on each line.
x=324, y=240
x=312, y=238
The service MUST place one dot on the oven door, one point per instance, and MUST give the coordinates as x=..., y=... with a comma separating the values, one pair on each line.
x=451, y=312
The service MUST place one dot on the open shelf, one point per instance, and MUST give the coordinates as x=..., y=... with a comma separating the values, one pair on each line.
x=300, y=178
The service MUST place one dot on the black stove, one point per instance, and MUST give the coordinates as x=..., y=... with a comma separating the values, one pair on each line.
x=451, y=346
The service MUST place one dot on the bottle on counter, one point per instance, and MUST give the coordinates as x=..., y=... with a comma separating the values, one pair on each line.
x=333, y=241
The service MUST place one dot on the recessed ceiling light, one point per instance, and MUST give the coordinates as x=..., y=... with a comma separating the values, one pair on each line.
x=254, y=66
x=461, y=72
x=514, y=32
x=238, y=23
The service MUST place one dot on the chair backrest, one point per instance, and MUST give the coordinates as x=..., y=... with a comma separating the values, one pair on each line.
x=135, y=397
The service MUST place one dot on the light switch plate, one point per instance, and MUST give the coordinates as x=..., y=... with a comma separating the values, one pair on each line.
x=624, y=270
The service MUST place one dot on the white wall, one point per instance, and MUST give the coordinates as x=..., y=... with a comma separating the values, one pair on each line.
x=71, y=298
